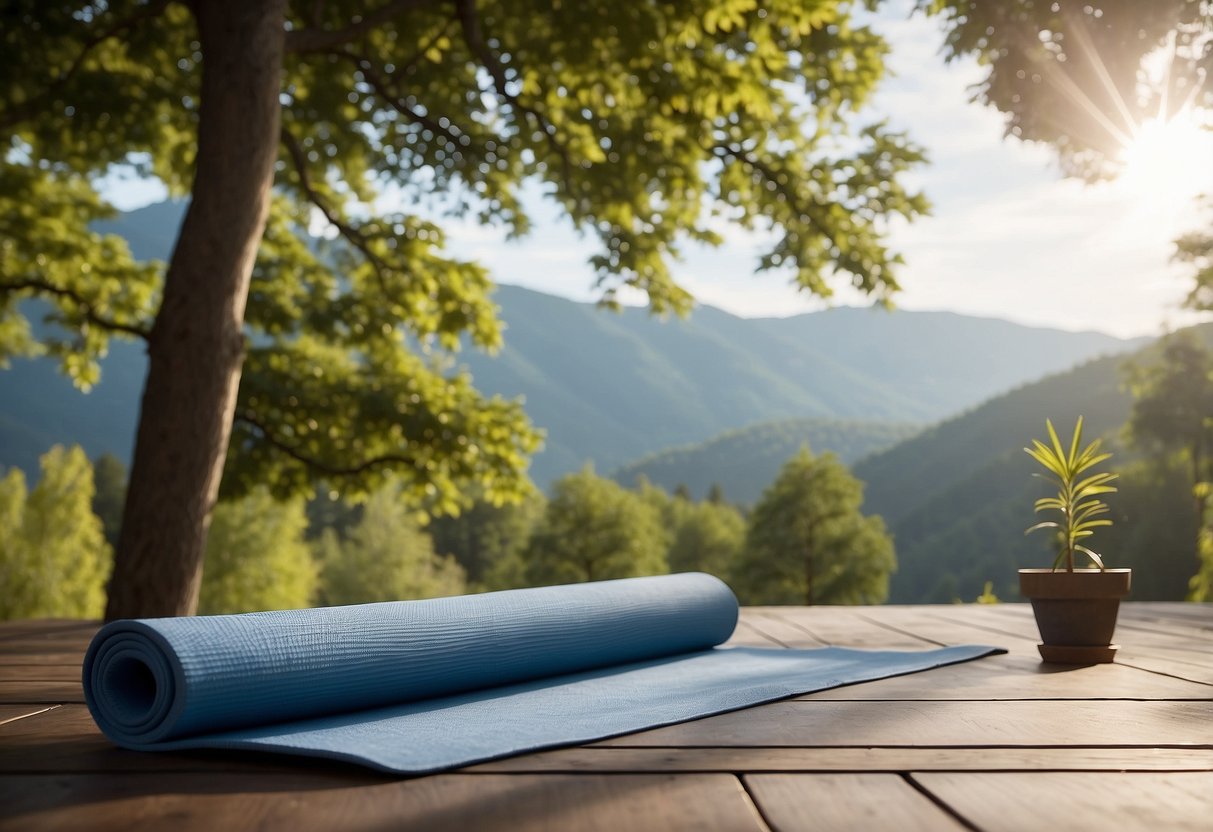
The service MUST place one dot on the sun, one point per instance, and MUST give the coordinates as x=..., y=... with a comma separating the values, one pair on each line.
x=1169, y=159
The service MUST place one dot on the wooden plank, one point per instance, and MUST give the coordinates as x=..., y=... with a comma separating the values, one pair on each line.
x=950, y=625
x=1149, y=802
x=23, y=691
x=39, y=672
x=11, y=713
x=747, y=636
x=779, y=630
x=827, y=802
x=816, y=723
x=1022, y=677
x=65, y=739
x=34, y=657
x=867, y=759
x=45, y=627
x=842, y=627
x=445, y=802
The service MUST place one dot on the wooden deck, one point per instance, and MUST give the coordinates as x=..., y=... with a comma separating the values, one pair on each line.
x=1002, y=743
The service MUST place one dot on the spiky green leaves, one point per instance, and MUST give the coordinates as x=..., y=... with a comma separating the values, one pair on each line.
x=1077, y=499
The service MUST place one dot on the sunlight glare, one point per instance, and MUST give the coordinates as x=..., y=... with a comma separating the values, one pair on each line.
x=1169, y=159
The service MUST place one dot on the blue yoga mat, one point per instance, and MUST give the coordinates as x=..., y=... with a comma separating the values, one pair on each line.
x=414, y=687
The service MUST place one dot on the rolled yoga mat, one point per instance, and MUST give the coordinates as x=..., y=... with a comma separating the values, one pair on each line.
x=419, y=686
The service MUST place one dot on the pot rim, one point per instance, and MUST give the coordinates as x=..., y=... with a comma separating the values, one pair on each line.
x=1081, y=583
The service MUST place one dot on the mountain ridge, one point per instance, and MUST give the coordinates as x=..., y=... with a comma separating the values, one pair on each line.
x=612, y=387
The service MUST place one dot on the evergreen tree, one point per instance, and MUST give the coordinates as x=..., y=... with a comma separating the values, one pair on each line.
x=54, y=560
x=593, y=529
x=386, y=557
x=808, y=543
x=257, y=557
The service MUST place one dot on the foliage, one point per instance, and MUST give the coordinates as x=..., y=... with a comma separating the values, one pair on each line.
x=1077, y=499
x=109, y=474
x=54, y=560
x=257, y=557
x=1201, y=585
x=386, y=557
x=987, y=595
x=1173, y=401
x=487, y=541
x=1196, y=249
x=1077, y=75
x=592, y=530
x=709, y=538
x=633, y=121
x=808, y=543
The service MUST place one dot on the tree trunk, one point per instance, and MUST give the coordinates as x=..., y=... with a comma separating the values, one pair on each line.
x=196, y=348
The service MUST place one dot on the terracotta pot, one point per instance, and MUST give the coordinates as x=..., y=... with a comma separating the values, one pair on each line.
x=1075, y=611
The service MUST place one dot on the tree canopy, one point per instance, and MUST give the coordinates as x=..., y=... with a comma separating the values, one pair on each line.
x=808, y=543
x=649, y=125
x=592, y=530
x=1084, y=76
x=54, y=560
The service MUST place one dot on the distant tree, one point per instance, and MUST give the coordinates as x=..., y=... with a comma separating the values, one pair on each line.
x=682, y=492
x=386, y=557
x=1173, y=404
x=54, y=560
x=257, y=557
x=109, y=474
x=708, y=538
x=642, y=122
x=593, y=529
x=808, y=543
x=1200, y=588
x=488, y=541
x=716, y=494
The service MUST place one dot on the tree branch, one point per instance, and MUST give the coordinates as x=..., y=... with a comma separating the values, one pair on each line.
x=32, y=104
x=351, y=234
x=769, y=175
x=380, y=84
x=33, y=284
x=328, y=469
x=324, y=40
x=474, y=38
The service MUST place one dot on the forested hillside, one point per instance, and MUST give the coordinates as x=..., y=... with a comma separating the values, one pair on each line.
x=610, y=388
x=958, y=496
x=745, y=461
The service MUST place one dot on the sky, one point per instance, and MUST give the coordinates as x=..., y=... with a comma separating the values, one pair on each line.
x=1009, y=236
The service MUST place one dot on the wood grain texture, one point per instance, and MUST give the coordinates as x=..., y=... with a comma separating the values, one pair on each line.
x=837, y=802
x=1023, y=677
x=36, y=691
x=895, y=759
x=818, y=723
x=543, y=803
x=1176, y=802
x=1005, y=742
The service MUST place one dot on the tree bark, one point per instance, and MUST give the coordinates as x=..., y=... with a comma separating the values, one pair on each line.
x=196, y=347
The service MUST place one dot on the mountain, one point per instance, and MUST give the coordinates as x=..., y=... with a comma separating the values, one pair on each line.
x=957, y=497
x=613, y=387
x=745, y=461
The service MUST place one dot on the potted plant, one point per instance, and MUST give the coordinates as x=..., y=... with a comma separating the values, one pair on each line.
x=1075, y=608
